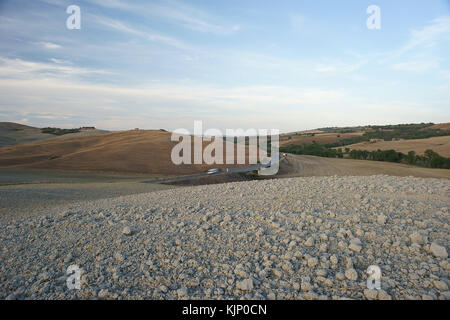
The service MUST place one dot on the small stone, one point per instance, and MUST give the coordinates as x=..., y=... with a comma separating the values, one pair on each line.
x=309, y=242
x=416, y=237
x=163, y=289
x=296, y=286
x=271, y=296
x=312, y=262
x=381, y=219
x=126, y=231
x=45, y=276
x=306, y=286
x=441, y=285
x=119, y=257
x=102, y=294
x=182, y=292
x=438, y=251
x=355, y=245
x=340, y=276
x=334, y=259
x=370, y=294
x=382, y=295
x=351, y=274
x=310, y=295
x=245, y=285
x=277, y=273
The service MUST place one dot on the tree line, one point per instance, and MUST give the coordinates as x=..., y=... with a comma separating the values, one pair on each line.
x=430, y=159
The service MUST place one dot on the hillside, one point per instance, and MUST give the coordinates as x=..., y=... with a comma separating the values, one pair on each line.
x=440, y=145
x=136, y=151
x=335, y=136
x=14, y=133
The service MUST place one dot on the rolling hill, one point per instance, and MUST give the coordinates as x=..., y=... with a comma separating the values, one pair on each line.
x=136, y=151
x=440, y=145
x=14, y=133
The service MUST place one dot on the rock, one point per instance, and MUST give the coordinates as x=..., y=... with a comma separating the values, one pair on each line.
x=340, y=276
x=11, y=297
x=163, y=288
x=306, y=286
x=296, y=286
x=355, y=245
x=381, y=219
x=441, y=285
x=271, y=296
x=126, y=231
x=182, y=292
x=382, y=295
x=119, y=257
x=309, y=242
x=416, y=237
x=277, y=273
x=45, y=276
x=245, y=285
x=351, y=274
x=446, y=295
x=311, y=296
x=371, y=294
x=312, y=262
x=334, y=260
x=103, y=294
x=438, y=251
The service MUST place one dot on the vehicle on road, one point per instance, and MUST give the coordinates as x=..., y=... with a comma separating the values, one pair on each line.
x=213, y=171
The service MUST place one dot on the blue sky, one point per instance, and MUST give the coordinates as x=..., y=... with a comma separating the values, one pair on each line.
x=289, y=65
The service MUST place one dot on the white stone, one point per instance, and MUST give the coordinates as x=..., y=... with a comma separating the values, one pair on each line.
x=438, y=251
x=245, y=285
x=351, y=274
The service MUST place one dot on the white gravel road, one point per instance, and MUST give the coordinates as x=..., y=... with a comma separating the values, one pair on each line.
x=298, y=238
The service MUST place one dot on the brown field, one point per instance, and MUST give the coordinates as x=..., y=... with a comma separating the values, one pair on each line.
x=14, y=133
x=321, y=138
x=440, y=145
x=307, y=166
x=441, y=126
x=136, y=151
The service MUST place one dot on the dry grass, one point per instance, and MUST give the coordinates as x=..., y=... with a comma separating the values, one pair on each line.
x=136, y=151
x=322, y=138
x=440, y=145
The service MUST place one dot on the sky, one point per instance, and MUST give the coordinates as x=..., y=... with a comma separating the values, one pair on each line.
x=287, y=65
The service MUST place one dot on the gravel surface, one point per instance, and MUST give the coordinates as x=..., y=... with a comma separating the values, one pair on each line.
x=298, y=238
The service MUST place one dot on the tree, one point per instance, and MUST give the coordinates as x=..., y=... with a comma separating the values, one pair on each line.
x=411, y=158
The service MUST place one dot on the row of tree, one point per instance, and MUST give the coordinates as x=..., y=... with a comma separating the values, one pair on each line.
x=430, y=158
x=313, y=150
x=388, y=133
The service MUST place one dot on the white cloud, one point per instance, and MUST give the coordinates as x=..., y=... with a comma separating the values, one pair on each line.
x=178, y=13
x=425, y=37
x=149, y=35
x=18, y=68
x=177, y=106
x=417, y=66
x=50, y=45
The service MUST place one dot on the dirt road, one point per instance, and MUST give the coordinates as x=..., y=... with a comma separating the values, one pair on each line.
x=304, y=166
